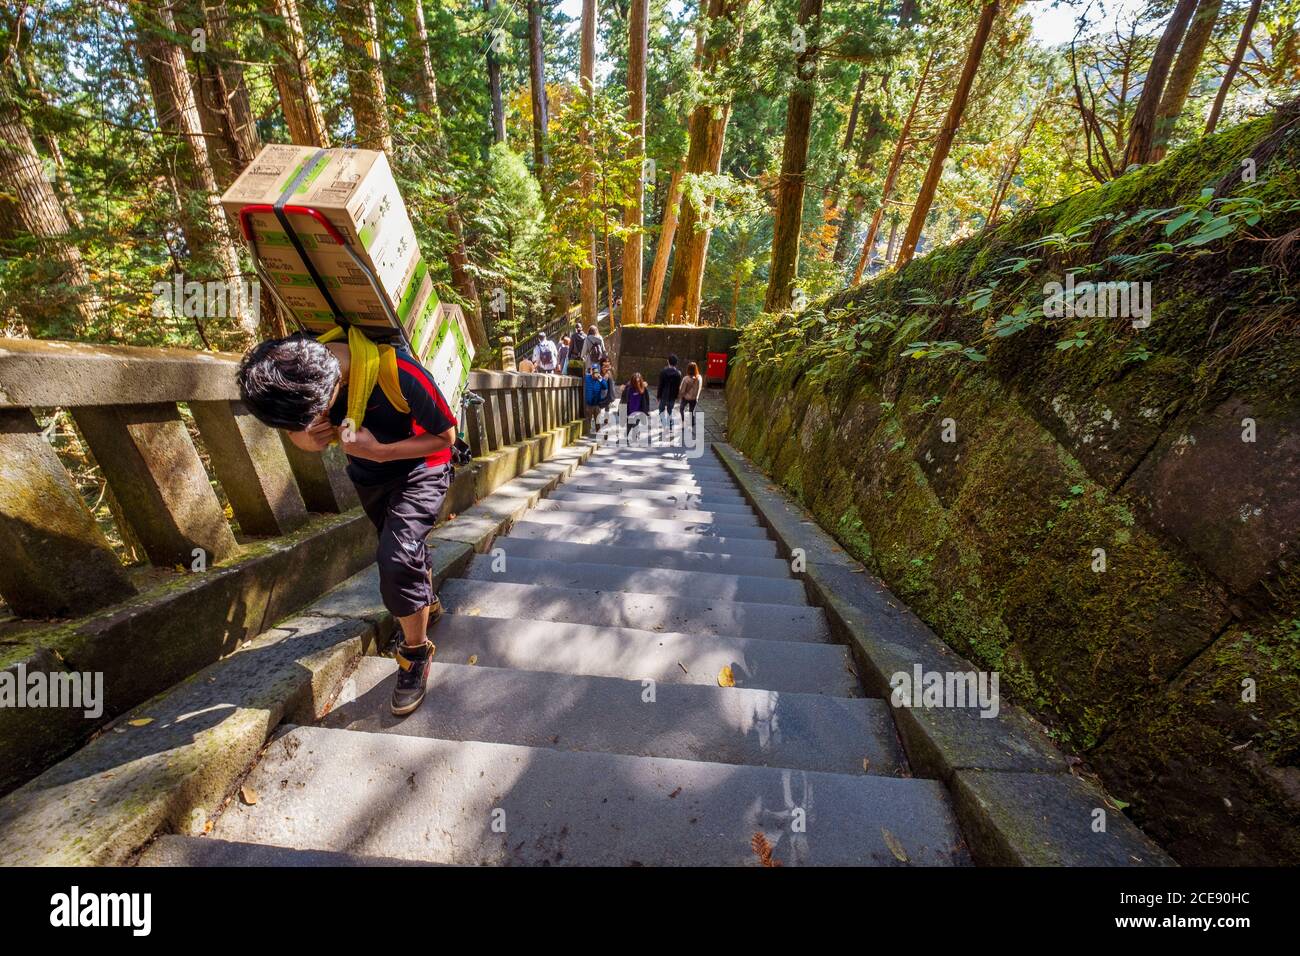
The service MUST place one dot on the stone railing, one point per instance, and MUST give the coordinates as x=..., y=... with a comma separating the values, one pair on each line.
x=300, y=532
x=57, y=563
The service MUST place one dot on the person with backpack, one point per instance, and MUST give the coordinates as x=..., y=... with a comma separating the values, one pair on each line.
x=562, y=363
x=544, y=355
x=635, y=400
x=576, y=341
x=398, y=439
x=610, y=394
x=689, y=393
x=670, y=381
x=593, y=348
x=594, y=392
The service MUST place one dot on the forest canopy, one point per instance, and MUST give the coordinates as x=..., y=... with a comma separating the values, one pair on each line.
x=631, y=161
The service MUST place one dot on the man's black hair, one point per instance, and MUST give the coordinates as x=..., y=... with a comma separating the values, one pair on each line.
x=672, y=360
x=287, y=383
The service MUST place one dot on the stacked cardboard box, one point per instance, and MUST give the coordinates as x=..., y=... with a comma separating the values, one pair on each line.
x=356, y=193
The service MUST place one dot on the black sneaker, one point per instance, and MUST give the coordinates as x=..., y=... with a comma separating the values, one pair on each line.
x=412, y=677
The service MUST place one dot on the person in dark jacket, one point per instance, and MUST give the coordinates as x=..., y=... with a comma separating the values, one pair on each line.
x=635, y=400
x=670, y=381
x=576, y=342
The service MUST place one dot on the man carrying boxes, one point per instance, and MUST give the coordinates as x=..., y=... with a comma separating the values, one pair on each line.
x=332, y=238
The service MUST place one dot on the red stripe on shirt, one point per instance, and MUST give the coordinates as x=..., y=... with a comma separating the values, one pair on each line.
x=438, y=457
x=423, y=378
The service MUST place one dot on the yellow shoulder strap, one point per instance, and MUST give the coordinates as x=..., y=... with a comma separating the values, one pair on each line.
x=369, y=364
x=389, y=380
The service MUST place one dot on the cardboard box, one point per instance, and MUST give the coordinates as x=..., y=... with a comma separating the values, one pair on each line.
x=450, y=354
x=356, y=193
x=440, y=341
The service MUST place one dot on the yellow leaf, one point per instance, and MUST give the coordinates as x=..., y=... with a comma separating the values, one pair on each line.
x=895, y=847
x=473, y=659
x=726, y=678
x=248, y=794
x=140, y=721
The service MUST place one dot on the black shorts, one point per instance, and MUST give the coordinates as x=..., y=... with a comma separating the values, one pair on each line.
x=404, y=511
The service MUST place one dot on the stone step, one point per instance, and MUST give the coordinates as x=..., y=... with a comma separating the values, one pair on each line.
x=475, y=803
x=679, y=525
x=636, y=501
x=649, y=612
x=175, y=850
x=728, y=725
x=641, y=540
x=646, y=579
x=631, y=507
x=656, y=459
x=661, y=492
x=666, y=558
x=635, y=654
x=605, y=476
x=649, y=463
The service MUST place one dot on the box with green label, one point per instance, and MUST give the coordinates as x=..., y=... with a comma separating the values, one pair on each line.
x=354, y=190
x=440, y=340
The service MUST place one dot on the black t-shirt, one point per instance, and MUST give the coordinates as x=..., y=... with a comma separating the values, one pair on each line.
x=429, y=414
x=670, y=380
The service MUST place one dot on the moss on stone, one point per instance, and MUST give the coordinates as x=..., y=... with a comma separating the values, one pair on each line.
x=993, y=539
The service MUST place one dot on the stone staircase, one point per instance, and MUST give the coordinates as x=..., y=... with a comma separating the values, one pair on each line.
x=576, y=715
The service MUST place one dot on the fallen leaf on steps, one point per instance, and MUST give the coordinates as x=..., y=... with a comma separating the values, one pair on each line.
x=726, y=678
x=248, y=795
x=140, y=721
x=895, y=847
x=473, y=659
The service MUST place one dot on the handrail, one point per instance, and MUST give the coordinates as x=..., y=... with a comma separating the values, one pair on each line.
x=124, y=401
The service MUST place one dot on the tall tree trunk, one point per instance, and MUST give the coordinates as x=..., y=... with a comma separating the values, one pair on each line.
x=221, y=94
x=28, y=203
x=494, y=79
x=359, y=30
x=638, y=29
x=457, y=259
x=664, y=247
x=847, y=227
x=1243, y=43
x=587, y=78
x=67, y=198
x=426, y=93
x=891, y=175
x=943, y=143
x=707, y=130
x=537, y=88
x=891, y=247
x=226, y=113
x=832, y=191
x=203, y=222
x=1009, y=172
x=1142, y=128
x=788, y=223
x=299, y=97
x=1183, y=74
